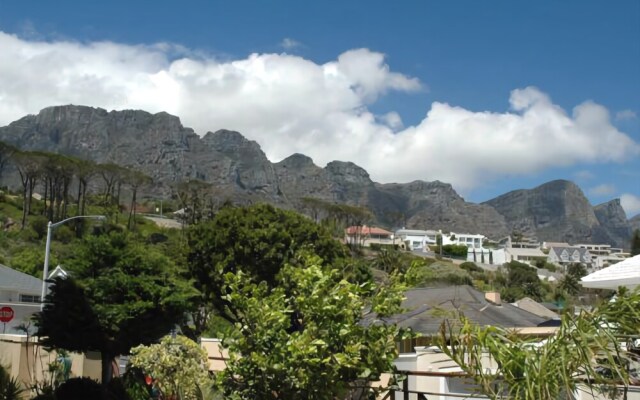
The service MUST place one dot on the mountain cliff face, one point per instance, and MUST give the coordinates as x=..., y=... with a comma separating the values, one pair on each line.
x=559, y=210
x=161, y=147
x=635, y=222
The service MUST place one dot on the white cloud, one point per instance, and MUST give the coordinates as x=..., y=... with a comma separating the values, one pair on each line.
x=290, y=104
x=602, y=190
x=289, y=44
x=630, y=203
x=626, y=115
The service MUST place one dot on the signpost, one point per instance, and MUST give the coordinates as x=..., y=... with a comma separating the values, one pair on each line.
x=6, y=315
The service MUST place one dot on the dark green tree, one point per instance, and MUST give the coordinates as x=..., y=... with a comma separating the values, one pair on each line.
x=119, y=294
x=258, y=240
x=524, y=277
x=635, y=243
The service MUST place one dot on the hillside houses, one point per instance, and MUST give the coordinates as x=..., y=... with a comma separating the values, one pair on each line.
x=484, y=251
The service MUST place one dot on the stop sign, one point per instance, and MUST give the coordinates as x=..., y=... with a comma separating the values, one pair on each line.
x=6, y=314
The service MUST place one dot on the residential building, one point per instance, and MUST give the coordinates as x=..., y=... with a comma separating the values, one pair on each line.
x=472, y=241
x=564, y=256
x=416, y=239
x=523, y=255
x=19, y=297
x=366, y=235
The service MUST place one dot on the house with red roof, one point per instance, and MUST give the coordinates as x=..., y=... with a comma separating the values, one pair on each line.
x=363, y=235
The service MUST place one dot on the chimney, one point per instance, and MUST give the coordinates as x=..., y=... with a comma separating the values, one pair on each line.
x=493, y=297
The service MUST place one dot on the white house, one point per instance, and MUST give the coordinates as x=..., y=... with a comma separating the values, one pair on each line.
x=523, y=255
x=472, y=241
x=19, y=298
x=416, y=238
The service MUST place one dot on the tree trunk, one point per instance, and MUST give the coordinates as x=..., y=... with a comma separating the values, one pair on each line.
x=107, y=368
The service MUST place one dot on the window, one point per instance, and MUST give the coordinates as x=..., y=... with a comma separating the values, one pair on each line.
x=28, y=298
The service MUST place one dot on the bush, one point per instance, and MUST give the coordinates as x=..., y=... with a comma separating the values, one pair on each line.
x=471, y=267
x=39, y=225
x=64, y=234
x=80, y=389
x=380, y=246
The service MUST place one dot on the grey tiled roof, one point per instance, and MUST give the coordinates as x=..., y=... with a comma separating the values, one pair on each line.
x=428, y=307
x=10, y=279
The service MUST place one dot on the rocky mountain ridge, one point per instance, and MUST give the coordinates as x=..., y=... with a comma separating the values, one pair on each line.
x=160, y=146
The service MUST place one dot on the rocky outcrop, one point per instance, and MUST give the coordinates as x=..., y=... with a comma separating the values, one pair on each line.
x=614, y=226
x=559, y=211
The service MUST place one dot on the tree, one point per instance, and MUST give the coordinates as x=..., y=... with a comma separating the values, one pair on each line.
x=135, y=180
x=119, y=295
x=585, y=353
x=178, y=365
x=304, y=338
x=6, y=152
x=635, y=243
x=29, y=167
x=259, y=240
x=522, y=276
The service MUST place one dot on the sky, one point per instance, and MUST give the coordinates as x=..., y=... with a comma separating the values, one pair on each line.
x=489, y=96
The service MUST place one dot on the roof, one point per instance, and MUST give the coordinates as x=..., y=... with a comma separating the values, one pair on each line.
x=536, y=308
x=558, y=250
x=412, y=232
x=548, y=245
x=428, y=307
x=525, y=251
x=366, y=230
x=625, y=273
x=13, y=280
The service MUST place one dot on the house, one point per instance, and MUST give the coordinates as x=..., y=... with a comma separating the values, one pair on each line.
x=19, y=298
x=472, y=241
x=532, y=306
x=416, y=239
x=366, y=235
x=603, y=255
x=523, y=255
x=427, y=308
x=564, y=256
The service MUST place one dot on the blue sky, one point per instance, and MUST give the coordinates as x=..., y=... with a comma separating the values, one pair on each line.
x=355, y=80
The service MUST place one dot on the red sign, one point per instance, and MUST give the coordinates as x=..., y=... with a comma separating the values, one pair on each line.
x=6, y=314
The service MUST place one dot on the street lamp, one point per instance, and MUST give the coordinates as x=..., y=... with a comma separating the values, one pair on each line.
x=50, y=227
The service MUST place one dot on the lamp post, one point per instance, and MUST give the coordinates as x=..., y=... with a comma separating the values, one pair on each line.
x=50, y=227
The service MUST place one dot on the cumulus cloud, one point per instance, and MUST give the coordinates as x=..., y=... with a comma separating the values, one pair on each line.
x=602, y=190
x=291, y=104
x=630, y=203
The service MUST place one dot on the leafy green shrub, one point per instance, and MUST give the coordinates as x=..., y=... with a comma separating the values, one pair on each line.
x=380, y=246
x=10, y=388
x=39, y=225
x=470, y=266
x=64, y=234
x=455, y=250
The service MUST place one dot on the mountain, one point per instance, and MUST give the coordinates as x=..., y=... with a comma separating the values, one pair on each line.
x=559, y=210
x=635, y=222
x=160, y=146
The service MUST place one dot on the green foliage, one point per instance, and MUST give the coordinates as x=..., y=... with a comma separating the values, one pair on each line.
x=259, y=240
x=522, y=276
x=10, y=388
x=178, y=365
x=527, y=369
x=303, y=338
x=30, y=259
x=635, y=243
x=455, y=250
x=440, y=273
x=470, y=267
x=39, y=224
x=381, y=246
x=121, y=294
